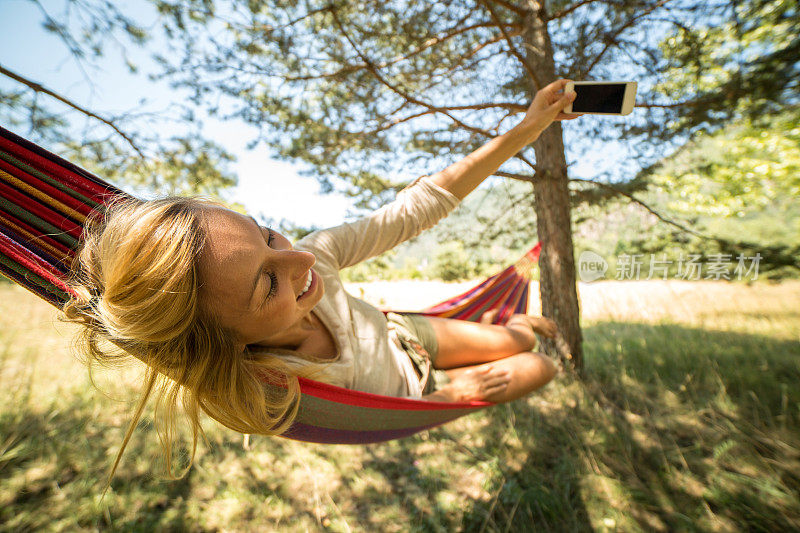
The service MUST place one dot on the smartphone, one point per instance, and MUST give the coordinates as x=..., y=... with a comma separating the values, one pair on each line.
x=602, y=97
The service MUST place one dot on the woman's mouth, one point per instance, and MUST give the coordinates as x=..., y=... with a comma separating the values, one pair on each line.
x=311, y=284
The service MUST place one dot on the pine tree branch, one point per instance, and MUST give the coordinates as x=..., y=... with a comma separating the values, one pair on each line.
x=485, y=44
x=38, y=88
x=774, y=255
x=526, y=161
x=501, y=105
x=458, y=67
x=641, y=203
x=567, y=10
x=519, y=10
x=397, y=90
x=514, y=175
x=611, y=38
x=69, y=41
x=430, y=43
x=303, y=17
x=511, y=46
x=615, y=190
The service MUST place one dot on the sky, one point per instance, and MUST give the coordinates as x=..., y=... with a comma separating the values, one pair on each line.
x=266, y=186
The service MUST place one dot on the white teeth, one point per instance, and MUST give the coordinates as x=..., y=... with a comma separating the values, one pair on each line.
x=308, y=284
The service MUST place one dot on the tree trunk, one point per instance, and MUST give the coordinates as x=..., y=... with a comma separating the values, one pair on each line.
x=556, y=263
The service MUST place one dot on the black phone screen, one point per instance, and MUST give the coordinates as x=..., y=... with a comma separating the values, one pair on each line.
x=606, y=98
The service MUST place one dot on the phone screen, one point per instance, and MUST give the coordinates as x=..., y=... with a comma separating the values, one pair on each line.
x=599, y=98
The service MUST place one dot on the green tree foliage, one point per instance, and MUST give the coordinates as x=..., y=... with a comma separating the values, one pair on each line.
x=739, y=63
x=188, y=165
x=740, y=185
x=490, y=228
x=452, y=263
x=113, y=145
x=740, y=170
x=367, y=94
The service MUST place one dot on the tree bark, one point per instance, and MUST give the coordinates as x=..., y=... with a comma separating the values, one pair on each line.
x=557, y=284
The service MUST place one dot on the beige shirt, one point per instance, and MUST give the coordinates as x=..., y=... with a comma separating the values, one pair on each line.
x=370, y=358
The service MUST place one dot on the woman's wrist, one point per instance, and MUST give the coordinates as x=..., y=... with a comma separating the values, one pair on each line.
x=529, y=129
x=441, y=395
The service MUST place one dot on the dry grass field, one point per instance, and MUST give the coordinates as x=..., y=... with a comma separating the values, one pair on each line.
x=688, y=419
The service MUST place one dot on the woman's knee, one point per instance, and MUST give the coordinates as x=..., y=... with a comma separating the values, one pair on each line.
x=540, y=367
x=550, y=365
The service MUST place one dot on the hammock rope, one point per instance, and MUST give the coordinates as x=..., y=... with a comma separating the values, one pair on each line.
x=44, y=202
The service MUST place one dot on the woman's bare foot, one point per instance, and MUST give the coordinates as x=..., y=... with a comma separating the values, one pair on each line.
x=539, y=324
x=544, y=326
x=489, y=316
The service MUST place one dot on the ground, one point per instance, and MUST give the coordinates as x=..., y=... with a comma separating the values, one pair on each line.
x=688, y=419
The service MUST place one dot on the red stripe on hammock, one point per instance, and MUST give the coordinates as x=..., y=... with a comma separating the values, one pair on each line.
x=75, y=181
x=376, y=401
x=29, y=285
x=510, y=304
x=48, y=215
x=65, y=250
x=27, y=259
x=460, y=299
x=449, y=308
x=46, y=188
x=50, y=256
x=486, y=301
x=533, y=253
x=82, y=174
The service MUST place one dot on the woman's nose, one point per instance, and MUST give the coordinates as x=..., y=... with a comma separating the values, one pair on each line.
x=298, y=262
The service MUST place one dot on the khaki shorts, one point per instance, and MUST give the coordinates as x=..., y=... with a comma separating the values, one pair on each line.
x=418, y=339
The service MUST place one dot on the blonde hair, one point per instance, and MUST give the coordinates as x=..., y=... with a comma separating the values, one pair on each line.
x=138, y=293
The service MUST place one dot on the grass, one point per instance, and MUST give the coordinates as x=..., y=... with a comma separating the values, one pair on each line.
x=688, y=421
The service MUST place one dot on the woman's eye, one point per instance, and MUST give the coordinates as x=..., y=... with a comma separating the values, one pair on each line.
x=273, y=286
x=273, y=279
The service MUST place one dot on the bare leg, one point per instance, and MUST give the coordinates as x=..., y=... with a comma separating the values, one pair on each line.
x=464, y=343
x=526, y=372
x=491, y=362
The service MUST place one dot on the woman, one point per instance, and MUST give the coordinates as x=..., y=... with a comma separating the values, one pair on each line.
x=214, y=304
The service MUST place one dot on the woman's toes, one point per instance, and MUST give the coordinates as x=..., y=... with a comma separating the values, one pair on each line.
x=489, y=316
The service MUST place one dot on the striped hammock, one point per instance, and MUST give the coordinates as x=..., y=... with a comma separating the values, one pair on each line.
x=44, y=202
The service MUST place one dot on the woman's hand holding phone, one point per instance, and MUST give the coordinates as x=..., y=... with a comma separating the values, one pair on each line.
x=547, y=107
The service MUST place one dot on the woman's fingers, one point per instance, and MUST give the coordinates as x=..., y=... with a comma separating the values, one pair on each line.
x=497, y=384
x=498, y=377
x=556, y=91
x=559, y=99
x=563, y=101
x=556, y=86
x=499, y=381
x=481, y=381
x=548, y=106
x=568, y=116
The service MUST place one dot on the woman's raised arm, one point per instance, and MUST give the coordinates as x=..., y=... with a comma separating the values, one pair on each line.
x=462, y=177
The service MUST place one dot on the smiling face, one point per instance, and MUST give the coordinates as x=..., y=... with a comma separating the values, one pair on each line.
x=254, y=282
